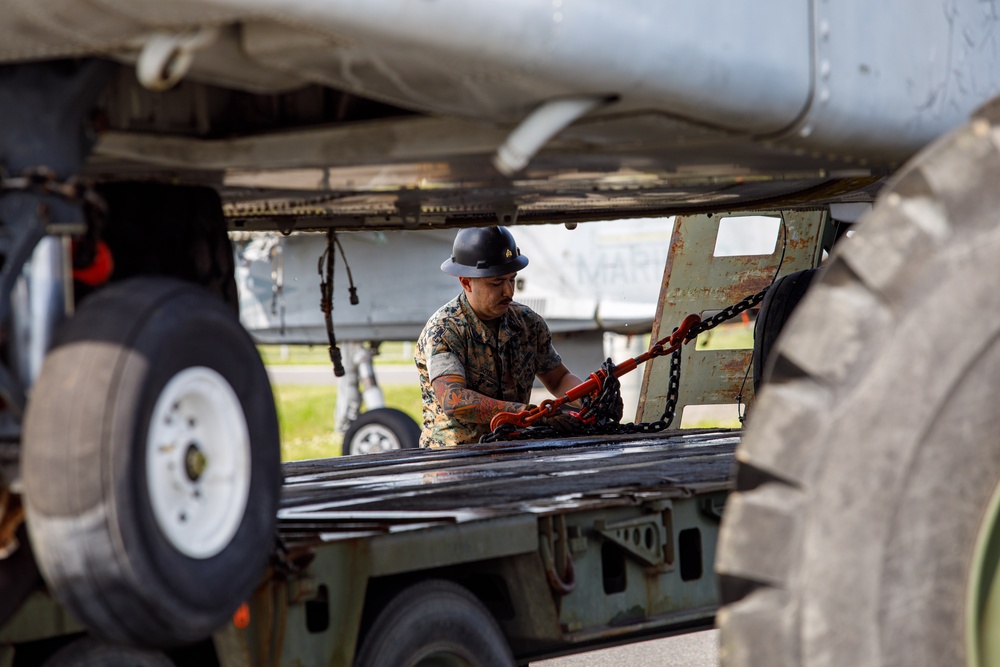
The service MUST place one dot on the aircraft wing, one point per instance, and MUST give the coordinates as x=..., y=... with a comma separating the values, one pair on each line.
x=385, y=114
x=598, y=277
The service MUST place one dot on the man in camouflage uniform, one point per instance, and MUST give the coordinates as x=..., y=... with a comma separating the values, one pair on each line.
x=479, y=354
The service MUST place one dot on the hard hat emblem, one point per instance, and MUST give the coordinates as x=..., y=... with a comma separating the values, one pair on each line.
x=508, y=254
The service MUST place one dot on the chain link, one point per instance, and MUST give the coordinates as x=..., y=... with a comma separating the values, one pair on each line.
x=673, y=390
x=674, y=384
x=605, y=409
x=727, y=313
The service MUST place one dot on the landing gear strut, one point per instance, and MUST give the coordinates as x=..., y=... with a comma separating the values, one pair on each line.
x=149, y=457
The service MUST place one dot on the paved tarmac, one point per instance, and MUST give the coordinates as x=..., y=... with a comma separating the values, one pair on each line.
x=697, y=649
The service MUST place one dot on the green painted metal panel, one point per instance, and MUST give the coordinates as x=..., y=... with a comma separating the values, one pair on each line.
x=453, y=544
x=696, y=281
x=618, y=592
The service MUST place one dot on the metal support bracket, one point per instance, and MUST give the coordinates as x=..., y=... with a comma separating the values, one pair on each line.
x=712, y=507
x=644, y=537
x=166, y=57
x=507, y=213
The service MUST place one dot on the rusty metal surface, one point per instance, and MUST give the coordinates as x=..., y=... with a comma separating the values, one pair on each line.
x=695, y=280
x=349, y=497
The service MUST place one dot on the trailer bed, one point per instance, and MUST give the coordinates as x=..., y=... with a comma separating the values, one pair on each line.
x=344, y=498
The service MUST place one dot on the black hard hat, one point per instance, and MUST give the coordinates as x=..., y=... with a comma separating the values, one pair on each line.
x=484, y=252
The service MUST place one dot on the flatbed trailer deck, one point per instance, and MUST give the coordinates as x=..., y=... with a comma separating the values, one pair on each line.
x=571, y=544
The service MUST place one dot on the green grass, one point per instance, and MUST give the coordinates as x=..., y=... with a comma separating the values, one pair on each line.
x=305, y=416
x=730, y=336
x=713, y=423
x=733, y=335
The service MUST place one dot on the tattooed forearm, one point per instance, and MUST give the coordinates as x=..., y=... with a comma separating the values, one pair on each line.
x=460, y=402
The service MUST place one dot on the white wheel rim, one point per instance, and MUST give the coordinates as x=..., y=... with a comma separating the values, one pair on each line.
x=374, y=438
x=198, y=462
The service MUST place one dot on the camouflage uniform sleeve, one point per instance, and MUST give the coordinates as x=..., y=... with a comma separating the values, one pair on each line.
x=546, y=357
x=444, y=363
x=446, y=352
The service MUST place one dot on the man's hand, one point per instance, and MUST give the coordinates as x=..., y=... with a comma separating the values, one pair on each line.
x=560, y=380
x=562, y=423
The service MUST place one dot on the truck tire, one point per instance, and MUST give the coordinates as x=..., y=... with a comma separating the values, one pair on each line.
x=381, y=430
x=151, y=463
x=435, y=622
x=777, y=306
x=89, y=652
x=170, y=230
x=864, y=528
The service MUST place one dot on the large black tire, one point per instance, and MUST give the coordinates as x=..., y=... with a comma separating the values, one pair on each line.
x=381, y=430
x=434, y=622
x=864, y=528
x=777, y=306
x=151, y=463
x=88, y=652
x=170, y=230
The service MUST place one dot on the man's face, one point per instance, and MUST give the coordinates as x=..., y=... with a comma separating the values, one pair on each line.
x=490, y=297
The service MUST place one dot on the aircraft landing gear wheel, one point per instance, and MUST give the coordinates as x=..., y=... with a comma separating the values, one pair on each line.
x=151, y=463
x=381, y=430
x=864, y=527
x=88, y=652
x=435, y=623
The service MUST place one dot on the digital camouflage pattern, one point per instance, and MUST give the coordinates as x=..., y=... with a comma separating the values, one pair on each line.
x=455, y=341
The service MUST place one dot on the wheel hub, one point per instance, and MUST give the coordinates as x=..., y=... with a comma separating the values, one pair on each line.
x=374, y=438
x=194, y=462
x=198, y=462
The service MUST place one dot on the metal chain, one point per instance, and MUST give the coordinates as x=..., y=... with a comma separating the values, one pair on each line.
x=606, y=406
x=673, y=387
x=673, y=394
x=727, y=313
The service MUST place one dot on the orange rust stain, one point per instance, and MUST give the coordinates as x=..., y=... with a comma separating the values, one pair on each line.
x=798, y=243
x=735, y=365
